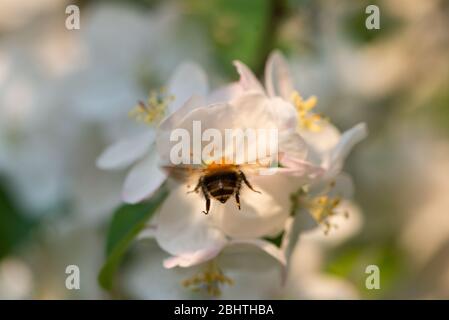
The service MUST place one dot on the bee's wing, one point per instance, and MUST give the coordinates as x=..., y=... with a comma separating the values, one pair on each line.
x=260, y=167
x=183, y=173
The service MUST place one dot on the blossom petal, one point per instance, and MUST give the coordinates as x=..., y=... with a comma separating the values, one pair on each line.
x=284, y=113
x=143, y=179
x=262, y=214
x=321, y=142
x=183, y=230
x=188, y=79
x=334, y=162
x=249, y=111
x=265, y=246
x=278, y=80
x=299, y=168
x=225, y=93
x=190, y=259
x=248, y=80
x=125, y=152
x=256, y=275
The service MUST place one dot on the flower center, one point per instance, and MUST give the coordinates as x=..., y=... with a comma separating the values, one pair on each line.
x=321, y=207
x=154, y=110
x=307, y=118
x=210, y=280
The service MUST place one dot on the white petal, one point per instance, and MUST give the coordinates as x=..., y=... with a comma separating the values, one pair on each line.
x=256, y=275
x=265, y=246
x=294, y=228
x=262, y=214
x=188, y=79
x=126, y=151
x=285, y=113
x=278, y=81
x=145, y=278
x=321, y=142
x=143, y=179
x=334, y=162
x=248, y=80
x=172, y=122
x=286, y=119
x=182, y=227
x=249, y=111
x=192, y=259
x=225, y=93
x=292, y=144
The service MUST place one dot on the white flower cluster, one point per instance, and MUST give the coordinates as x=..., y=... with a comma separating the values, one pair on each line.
x=308, y=177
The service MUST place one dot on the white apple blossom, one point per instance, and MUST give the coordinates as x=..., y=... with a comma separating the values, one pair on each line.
x=249, y=273
x=326, y=146
x=180, y=229
x=145, y=176
x=262, y=214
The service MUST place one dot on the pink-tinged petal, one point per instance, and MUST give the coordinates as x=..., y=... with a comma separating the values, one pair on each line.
x=334, y=161
x=183, y=228
x=125, y=152
x=143, y=179
x=300, y=168
x=225, y=93
x=278, y=80
x=188, y=80
x=186, y=260
x=248, y=80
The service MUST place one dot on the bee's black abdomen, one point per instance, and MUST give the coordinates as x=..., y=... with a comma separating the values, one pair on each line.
x=222, y=185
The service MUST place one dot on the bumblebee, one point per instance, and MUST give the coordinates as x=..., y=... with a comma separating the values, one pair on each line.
x=216, y=181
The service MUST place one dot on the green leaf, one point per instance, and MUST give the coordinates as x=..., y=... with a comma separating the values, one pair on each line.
x=14, y=225
x=126, y=224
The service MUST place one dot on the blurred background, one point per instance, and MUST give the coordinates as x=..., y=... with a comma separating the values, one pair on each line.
x=65, y=95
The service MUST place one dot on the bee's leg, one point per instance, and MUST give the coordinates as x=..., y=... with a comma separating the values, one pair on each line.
x=207, y=204
x=197, y=187
x=206, y=195
x=237, y=199
x=242, y=175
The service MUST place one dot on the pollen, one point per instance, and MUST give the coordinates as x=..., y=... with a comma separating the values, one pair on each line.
x=321, y=207
x=210, y=280
x=154, y=110
x=307, y=118
x=219, y=164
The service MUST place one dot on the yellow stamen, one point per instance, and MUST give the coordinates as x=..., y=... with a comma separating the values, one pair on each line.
x=154, y=110
x=209, y=280
x=321, y=208
x=307, y=119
